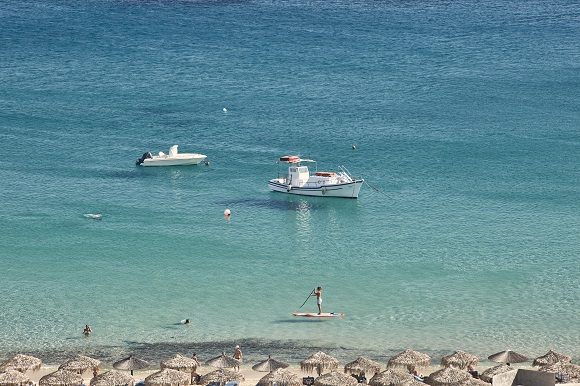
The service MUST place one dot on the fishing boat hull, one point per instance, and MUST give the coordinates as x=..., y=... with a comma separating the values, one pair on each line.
x=344, y=190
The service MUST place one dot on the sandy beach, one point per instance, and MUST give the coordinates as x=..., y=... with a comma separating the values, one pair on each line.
x=251, y=377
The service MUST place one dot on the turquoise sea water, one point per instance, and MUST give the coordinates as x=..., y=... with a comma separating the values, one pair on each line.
x=466, y=119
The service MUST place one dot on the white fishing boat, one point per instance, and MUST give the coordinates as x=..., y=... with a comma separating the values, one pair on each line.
x=299, y=180
x=172, y=159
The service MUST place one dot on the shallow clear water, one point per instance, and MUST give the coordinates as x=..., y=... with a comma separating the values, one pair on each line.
x=465, y=118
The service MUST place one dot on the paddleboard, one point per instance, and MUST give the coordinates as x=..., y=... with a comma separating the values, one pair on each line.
x=317, y=315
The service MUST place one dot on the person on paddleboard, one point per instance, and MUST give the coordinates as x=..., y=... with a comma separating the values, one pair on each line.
x=318, y=293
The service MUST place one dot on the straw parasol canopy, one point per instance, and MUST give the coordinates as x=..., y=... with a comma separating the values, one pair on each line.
x=280, y=377
x=21, y=363
x=508, y=356
x=449, y=376
x=459, y=359
x=569, y=369
x=269, y=365
x=167, y=377
x=335, y=378
x=179, y=362
x=319, y=361
x=362, y=365
x=112, y=378
x=391, y=377
x=131, y=363
x=550, y=358
x=492, y=371
x=61, y=378
x=223, y=362
x=79, y=364
x=221, y=375
x=12, y=377
x=409, y=357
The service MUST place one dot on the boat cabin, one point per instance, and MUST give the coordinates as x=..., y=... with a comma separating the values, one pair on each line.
x=298, y=175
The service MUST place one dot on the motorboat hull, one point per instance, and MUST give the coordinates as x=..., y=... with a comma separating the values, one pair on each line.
x=344, y=190
x=174, y=158
x=181, y=159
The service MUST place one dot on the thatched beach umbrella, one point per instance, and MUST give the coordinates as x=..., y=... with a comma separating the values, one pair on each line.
x=12, y=377
x=221, y=375
x=391, y=377
x=179, y=362
x=21, y=363
x=280, y=377
x=79, y=364
x=362, y=365
x=409, y=357
x=492, y=371
x=131, y=363
x=319, y=362
x=335, y=378
x=449, y=376
x=550, y=358
x=167, y=377
x=460, y=360
x=508, y=356
x=569, y=369
x=112, y=378
x=223, y=362
x=61, y=378
x=269, y=365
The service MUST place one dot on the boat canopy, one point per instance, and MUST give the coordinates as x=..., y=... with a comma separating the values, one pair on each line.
x=293, y=159
x=290, y=159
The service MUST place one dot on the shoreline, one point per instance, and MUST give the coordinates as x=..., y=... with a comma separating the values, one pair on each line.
x=254, y=351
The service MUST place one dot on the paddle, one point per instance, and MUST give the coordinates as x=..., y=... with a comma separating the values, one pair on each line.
x=307, y=298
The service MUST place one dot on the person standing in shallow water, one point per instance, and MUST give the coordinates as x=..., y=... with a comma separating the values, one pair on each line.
x=238, y=356
x=318, y=293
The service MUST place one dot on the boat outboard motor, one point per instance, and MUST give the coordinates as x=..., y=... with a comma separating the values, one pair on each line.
x=143, y=158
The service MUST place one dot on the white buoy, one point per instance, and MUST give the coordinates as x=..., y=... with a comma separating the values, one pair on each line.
x=225, y=110
x=227, y=213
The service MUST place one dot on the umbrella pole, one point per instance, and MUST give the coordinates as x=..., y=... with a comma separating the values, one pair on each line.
x=307, y=299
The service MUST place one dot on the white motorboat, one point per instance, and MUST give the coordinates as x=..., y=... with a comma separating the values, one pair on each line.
x=300, y=181
x=172, y=159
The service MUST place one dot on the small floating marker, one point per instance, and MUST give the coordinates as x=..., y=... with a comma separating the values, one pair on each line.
x=227, y=213
x=353, y=147
x=206, y=163
x=225, y=110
